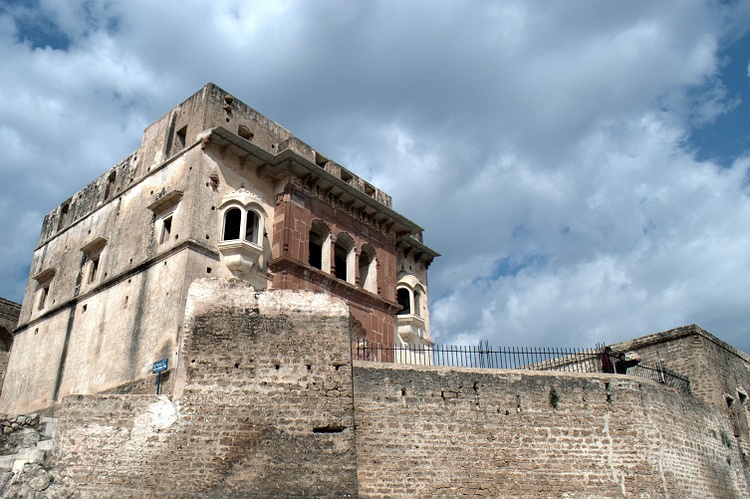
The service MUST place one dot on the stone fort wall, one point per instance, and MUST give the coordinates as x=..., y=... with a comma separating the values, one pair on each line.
x=488, y=433
x=268, y=403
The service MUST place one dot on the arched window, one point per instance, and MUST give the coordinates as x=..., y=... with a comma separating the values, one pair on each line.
x=234, y=219
x=319, y=246
x=403, y=296
x=343, y=257
x=251, y=227
x=411, y=295
x=368, y=272
x=232, y=224
x=241, y=239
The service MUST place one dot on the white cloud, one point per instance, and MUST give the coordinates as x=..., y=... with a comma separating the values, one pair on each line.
x=543, y=146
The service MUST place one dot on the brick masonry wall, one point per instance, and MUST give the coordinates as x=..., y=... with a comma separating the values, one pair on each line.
x=457, y=432
x=264, y=407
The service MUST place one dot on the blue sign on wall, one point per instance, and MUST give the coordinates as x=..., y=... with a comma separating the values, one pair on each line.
x=160, y=366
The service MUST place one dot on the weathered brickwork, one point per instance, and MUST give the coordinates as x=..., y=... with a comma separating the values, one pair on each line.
x=265, y=408
x=450, y=433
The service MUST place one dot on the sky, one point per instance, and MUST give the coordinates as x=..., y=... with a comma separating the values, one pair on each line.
x=583, y=167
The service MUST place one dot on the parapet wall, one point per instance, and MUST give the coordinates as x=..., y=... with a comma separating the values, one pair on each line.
x=268, y=403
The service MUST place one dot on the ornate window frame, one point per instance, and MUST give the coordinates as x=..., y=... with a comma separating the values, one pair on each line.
x=243, y=248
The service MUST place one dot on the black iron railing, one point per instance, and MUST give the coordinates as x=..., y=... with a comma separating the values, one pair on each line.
x=661, y=375
x=482, y=356
x=583, y=360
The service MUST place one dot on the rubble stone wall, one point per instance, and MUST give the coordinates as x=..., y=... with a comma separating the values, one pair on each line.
x=716, y=369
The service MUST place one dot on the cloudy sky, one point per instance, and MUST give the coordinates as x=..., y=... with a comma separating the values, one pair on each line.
x=582, y=166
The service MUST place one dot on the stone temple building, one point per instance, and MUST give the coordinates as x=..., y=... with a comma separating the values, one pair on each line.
x=215, y=190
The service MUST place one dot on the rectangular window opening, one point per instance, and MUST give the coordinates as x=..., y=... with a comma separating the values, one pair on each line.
x=166, y=229
x=316, y=255
x=93, y=269
x=245, y=133
x=181, y=136
x=43, y=294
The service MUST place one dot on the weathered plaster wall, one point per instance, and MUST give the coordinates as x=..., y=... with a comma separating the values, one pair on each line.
x=450, y=432
x=264, y=407
x=96, y=336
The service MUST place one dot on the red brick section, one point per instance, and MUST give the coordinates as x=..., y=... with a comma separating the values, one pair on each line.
x=296, y=208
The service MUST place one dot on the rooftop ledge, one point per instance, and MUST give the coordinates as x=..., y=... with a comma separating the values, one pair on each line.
x=299, y=158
